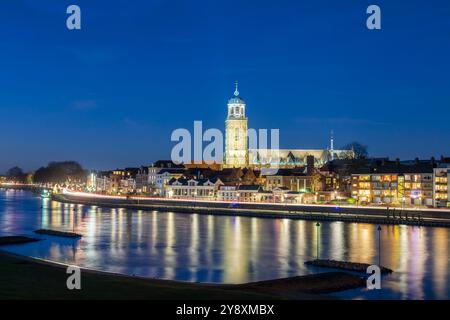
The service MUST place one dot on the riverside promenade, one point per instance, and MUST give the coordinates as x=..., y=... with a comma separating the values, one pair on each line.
x=369, y=214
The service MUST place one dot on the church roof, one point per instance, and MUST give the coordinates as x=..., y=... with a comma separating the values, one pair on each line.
x=236, y=100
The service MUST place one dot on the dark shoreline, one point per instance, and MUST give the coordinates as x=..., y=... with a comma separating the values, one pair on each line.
x=9, y=240
x=29, y=278
x=58, y=233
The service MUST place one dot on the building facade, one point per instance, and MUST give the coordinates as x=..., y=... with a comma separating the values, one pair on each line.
x=193, y=188
x=401, y=185
x=227, y=193
x=162, y=180
x=292, y=180
x=142, y=185
x=242, y=193
x=441, y=186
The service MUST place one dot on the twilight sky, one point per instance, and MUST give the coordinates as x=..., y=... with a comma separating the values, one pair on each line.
x=110, y=95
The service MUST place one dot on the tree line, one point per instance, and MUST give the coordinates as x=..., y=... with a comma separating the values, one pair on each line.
x=55, y=172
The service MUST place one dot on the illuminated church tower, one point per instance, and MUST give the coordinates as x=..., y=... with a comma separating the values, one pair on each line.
x=236, y=148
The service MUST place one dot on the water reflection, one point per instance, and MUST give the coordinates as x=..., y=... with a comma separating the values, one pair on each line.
x=194, y=247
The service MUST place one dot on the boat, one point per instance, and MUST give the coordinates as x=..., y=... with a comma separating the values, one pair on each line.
x=45, y=194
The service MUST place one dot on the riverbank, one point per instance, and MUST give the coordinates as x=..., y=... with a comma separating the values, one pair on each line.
x=375, y=215
x=58, y=233
x=8, y=240
x=28, y=278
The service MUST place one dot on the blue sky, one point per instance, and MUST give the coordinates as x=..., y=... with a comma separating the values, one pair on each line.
x=110, y=95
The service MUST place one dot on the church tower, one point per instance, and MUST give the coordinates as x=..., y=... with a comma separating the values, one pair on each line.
x=236, y=141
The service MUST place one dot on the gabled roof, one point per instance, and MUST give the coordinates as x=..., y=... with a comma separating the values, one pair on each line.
x=231, y=187
x=104, y=173
x=301, y=171
x=199, y=182
x=171, y=170
x=249, y=188
x=396, y=169
x=143, y=170
x=132, y=171
x=166, y=164
x=281, y=189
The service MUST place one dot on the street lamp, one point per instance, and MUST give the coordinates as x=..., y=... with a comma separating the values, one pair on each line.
x=318, y=226
x=379, y=246
x=73, y=220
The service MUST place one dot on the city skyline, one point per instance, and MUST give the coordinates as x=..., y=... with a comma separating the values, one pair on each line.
x=99, y=94
x=222, y=156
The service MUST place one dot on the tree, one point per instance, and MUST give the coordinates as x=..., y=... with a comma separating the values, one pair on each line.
x=60, y=172
x=16, y=174
x=359, y=149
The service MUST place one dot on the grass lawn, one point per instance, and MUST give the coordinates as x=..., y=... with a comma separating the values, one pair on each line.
x=27, y=278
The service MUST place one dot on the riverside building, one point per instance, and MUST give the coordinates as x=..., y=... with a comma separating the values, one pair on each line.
x=441, y=186
x=397, y=184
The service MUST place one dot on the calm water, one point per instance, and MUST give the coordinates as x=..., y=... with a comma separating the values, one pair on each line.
x=226, y=249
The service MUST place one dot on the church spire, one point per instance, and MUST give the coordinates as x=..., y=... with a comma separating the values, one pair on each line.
x=332, y=140
x=332, y=145
x=236, y=91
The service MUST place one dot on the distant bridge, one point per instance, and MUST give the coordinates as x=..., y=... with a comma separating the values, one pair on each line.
x=23, y=186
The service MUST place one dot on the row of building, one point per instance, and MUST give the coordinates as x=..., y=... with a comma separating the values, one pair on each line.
x=360, y=181
x=419, y=183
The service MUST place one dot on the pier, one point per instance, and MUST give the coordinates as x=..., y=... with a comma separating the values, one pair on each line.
x=345, y=265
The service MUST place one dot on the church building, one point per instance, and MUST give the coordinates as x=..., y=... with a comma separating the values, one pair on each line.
x=237, y=154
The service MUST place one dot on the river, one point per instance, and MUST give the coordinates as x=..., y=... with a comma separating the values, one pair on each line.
x=225, y=249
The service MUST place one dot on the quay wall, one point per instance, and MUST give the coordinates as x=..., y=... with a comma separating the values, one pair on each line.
x=422, y=217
